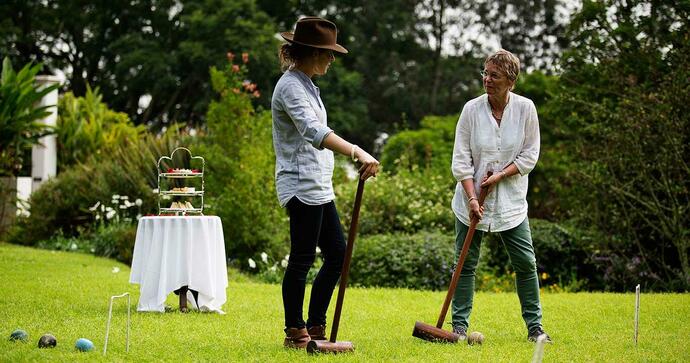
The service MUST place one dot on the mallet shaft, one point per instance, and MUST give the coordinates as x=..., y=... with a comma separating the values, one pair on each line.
x=352, y=233
x=461, y=260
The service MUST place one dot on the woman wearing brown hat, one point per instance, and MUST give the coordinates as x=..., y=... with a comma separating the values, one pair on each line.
x=304, y=146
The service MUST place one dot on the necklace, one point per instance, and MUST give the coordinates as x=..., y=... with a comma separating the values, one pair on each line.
x=494, y=113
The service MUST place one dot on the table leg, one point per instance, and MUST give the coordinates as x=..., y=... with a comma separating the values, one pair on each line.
x=183, y=299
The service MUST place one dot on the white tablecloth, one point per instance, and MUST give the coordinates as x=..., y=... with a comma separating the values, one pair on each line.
x=171, y=252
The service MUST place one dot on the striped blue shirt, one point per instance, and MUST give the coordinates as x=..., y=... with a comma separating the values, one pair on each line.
x=303, y=167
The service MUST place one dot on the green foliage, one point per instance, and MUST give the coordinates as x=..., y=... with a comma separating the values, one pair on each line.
x=20, y=128
x=625, y=91
x=418, y=261
x=425, y=260
x=565, y=256
x=240, y=164
x=115, y=240
x=86, y=126
x=131, y=49
x=550, y=182
x=407, y=202
x=62, y=204
x=429, y=147
x=60, y=242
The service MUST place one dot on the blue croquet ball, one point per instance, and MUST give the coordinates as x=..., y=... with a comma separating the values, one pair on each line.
x=83, y=345
x=19, y=335
x=47, y=341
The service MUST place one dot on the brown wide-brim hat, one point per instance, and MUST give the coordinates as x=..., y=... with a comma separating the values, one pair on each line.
x=315, y=32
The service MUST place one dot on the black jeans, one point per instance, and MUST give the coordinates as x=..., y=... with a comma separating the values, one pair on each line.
x=312, y=225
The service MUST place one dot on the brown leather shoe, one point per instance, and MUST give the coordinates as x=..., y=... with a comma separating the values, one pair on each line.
x=317, y=332
x=296, y=338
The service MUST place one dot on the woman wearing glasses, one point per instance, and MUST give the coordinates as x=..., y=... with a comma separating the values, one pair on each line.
x=499, y=132
x=304, y=146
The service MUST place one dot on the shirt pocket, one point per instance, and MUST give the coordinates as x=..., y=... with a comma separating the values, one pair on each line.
x=315, y=166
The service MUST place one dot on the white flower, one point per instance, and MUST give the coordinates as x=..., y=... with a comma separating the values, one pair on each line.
x=116, y=269
x=124, y=206
x=102, y=208
x=116, y=196
x=287, y=257
x=251, y=262
x=98, y=216
x=95, y=206
x=274, y=268
x=138, y=202
x=139, y=216
x=318, y=250
x=284, y=263
x=110, y=214
x=264, y=257
x=73, y=246
x=124, y=197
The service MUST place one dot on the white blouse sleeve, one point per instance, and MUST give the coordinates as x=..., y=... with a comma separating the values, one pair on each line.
x=462, y=166
x=527, y=158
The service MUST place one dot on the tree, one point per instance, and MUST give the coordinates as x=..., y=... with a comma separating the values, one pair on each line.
x=158, y=50
x=625, y=92
x=533, y=30
x=402, y=77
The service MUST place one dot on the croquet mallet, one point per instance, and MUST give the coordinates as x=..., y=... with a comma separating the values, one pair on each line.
x=436, y=333
x=332, y=345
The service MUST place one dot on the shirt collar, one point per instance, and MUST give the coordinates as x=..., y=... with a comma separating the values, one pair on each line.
x=304, y=78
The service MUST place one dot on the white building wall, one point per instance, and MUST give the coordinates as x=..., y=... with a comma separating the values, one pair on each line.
x=44, y=155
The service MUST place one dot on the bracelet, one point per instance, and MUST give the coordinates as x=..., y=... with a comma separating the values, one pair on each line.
x=352, y=153
x=471, y=198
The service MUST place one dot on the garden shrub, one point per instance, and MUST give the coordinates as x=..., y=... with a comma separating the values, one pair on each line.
x=425, y=260
x=238, y=148
x=417, y=261
x=564, y=256
x=62, y=204
x=86, y=126
x=430, y=147
x=115, y=240
x=407, y=202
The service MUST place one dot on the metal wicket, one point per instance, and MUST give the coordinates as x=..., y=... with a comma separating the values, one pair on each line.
x=110, y=315
x=637, y=311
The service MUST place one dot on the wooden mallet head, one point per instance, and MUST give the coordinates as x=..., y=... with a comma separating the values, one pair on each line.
x=433, y=334
x=326, y=346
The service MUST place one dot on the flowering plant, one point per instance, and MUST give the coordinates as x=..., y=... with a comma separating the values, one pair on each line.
x=119, y=210
x=272, y=271
x=235, y=76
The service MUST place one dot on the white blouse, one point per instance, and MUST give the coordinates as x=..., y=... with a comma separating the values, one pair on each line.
x=481, y=145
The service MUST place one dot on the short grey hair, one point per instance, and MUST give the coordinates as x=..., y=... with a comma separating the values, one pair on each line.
x=507, y=62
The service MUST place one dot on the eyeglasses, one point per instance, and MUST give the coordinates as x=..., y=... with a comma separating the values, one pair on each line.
x=494, y=76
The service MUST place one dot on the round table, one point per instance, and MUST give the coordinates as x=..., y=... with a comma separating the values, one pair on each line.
x=171, y=252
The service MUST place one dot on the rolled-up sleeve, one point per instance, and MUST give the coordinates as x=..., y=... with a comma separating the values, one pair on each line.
x=527, y=158
x=296, y=105
x=462, y=166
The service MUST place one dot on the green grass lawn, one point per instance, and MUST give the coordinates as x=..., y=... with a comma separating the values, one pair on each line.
x=67, y=294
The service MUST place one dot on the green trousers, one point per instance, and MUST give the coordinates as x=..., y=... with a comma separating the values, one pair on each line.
x=518, y=243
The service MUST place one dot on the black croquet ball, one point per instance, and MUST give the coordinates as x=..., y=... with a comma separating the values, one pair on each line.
x=47, y=341
x=19, y=336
